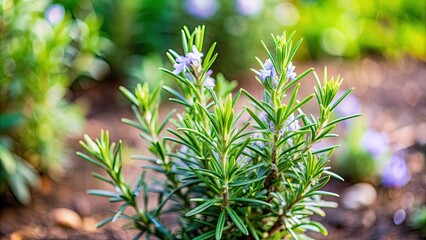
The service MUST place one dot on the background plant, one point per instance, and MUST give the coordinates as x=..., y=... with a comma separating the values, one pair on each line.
x=349, y=29
x=142, y=32
x=43, y=50
x=358, y=28
x=364, y=154
x=367, y=154
x=223, y=176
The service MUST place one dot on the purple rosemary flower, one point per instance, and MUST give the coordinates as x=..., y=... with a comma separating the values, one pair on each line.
x=54, y=14
x=291, y=123
x=259, y=144
x=268, y=70
x=184, y=62
x=249, y=7
x=376, y=143
x=190, y=77
x=183, y=148
x=195, y=56
x=272, y=126
x=209, y=81
x=349, y=106
x=181, y=64
x=291, y=75
x=201, y=8
x=263, y=116
x=396, y=172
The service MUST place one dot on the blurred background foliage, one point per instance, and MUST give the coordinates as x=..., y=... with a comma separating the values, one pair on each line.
x=336, y=28
x=50, y=47
x=357, y=28
x=136, y=31
x=43, y=49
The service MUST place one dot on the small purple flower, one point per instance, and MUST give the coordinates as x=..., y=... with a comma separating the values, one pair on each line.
x=183, y=148
x=190, y=77
x=184, y=62
x=268, y=70
x=291, y=123
x=396, y=172
x=260, y=144
x=349, y=106
x=210, y=82
x=263, y=116
x=272, y=126
x=181, y=64
x=54, y=14
x=264, y=74
x=291, y=75
x=195, y=56
x=376, y=143
x=249, y=7
x=201, y=8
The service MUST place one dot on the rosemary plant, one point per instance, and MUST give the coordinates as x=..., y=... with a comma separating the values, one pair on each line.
x=43, y=51
x=225, y=177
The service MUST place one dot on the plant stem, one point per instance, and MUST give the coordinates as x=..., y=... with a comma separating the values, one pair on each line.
x=225, y=196
x=273, y=174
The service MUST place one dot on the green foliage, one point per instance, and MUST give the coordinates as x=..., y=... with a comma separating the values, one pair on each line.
x=225, y=176
x=146, y=26
x=41, y=55
x=350, y=29
x=391, y=29
x=418, y=220
x=141, y=33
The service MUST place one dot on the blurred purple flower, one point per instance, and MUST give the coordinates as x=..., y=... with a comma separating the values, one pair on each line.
x=349, y=106
x=396, y=172
x=54, y=14
x=209, y=81
x=291, y=75
x=291, y=123
x=189, y=76
x=201, y=8
x=181, y=64
x=184, y=62
x=263, y=116
x=260, y=144
x=268, y=70
x=272, y=126
x=249, y=7
x=376, y=143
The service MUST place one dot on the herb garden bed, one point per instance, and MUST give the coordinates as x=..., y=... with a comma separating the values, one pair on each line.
x=395, y=95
